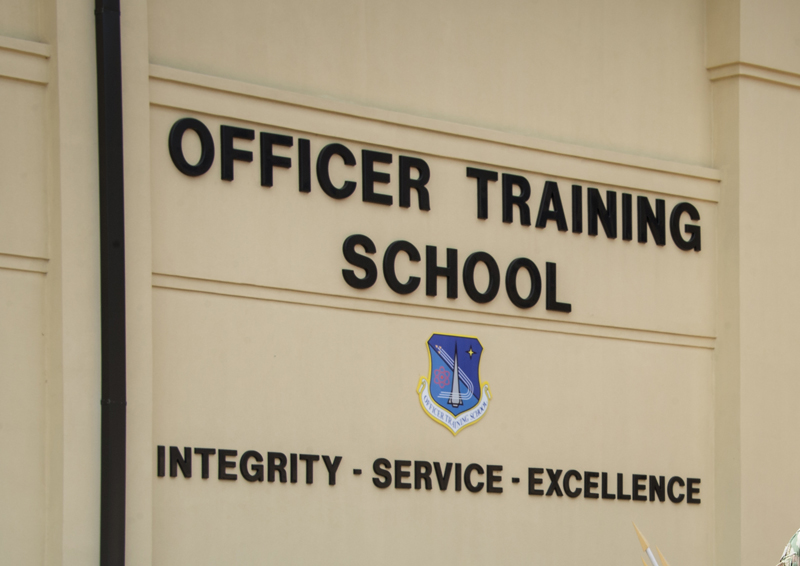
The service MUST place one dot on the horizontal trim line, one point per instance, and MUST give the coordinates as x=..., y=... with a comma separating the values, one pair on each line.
x=25, y=46
x=272, y=294
x=24, y=60
x=751, y=71
x=23, y=263
x=170, y=74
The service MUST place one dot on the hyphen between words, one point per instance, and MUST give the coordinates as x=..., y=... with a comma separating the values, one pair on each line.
x=413, y=173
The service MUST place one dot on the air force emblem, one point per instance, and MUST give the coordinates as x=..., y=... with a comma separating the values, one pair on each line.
x=452, y=393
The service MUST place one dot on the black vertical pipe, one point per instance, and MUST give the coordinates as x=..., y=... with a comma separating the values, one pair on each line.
x=112, y=283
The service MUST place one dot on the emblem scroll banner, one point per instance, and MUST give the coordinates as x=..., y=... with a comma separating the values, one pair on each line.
x=444, y=418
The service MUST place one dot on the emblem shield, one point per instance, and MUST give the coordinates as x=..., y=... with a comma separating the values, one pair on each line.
x=452, y=393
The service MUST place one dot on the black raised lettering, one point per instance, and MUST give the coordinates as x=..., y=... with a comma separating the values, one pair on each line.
x=369, y=176
x=638, y=487
x=324, y=174
x=627, y=217
x=510, y=200
x=381, y=467
x=389, y=272
x=355, y=258
x=309, y=459
x=483, y=177
x=442, y=477
x=332, y=466
x=422, y=473
x=161, y=466
x=469, y=277
x=269, y=160
x=567, y=488
x=474, y=488
x=223, y=464
x=176, y=460
x=554, y=476
x=606, y=213
x=511, y=283
x=551, y=198
x=433, y=272
x=589, y=485
x=204, y=455
x=418, y=184
x=671, y=489
x=691, y=490
x=551, y=298
x=229, y=153
x=304, y=165
x=492, y=479
x=577, y=209
x=176, y=147
x=621, y=495
x=655, y=221
x=693, y=243
x=604, y=487
x=254, y=472
x=276, y=462
x=400, y=473
x=533, y=481
x=657, y=485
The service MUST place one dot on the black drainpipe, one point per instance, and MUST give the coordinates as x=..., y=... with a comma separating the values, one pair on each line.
x=112, y=283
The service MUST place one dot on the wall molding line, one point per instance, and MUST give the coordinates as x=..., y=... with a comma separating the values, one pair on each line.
x=24, y=60
x=576, y=162
x=440, y=313
x=756, y=72
x=23, y=263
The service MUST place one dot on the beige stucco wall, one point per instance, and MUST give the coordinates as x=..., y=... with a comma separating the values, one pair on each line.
x=241, y=357
x=767, y=313
x=49, y=284
x=752, y=54
x=242, y=333
x=229, y=259
x=23, y=312
x=21, y=19
x=618, y=75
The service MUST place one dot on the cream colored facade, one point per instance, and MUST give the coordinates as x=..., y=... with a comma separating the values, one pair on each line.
x=244, y=335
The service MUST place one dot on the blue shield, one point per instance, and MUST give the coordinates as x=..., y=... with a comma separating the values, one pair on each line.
x=454, y=379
